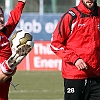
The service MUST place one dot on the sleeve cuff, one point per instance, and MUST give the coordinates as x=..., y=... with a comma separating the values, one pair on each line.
x=74, y=58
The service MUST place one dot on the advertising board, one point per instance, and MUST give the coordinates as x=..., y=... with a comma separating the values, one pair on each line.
x=41, y=58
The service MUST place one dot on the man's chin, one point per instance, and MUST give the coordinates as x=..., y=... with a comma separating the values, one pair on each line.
x=90, y=6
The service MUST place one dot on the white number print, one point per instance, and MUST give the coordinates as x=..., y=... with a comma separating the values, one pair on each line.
x=70, y=90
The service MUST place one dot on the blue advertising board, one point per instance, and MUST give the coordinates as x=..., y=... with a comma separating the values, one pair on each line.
x=40, y=26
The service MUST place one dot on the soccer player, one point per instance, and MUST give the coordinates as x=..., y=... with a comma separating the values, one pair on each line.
x=5, y=49
x=76, y=40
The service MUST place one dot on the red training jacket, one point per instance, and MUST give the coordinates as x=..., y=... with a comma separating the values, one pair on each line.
x=15, y=14
x=77, y=35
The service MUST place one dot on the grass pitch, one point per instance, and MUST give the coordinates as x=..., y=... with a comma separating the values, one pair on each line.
x=37, y=85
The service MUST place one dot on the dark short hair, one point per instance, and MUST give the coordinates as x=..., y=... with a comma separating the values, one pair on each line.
x=1, y=9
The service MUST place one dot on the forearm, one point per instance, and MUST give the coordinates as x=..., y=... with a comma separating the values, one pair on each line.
x=65, y=54
x=4, y=77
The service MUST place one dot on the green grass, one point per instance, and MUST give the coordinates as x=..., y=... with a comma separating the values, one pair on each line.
x=37, y=85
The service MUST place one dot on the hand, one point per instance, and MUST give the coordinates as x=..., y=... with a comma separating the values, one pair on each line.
x=80, y=64
x=22, y=0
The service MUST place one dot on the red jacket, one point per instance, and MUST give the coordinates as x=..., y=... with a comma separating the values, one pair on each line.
x=78, y=38
x=15, y=14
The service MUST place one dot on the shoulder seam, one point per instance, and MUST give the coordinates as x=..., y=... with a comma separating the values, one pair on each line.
x=72, y=13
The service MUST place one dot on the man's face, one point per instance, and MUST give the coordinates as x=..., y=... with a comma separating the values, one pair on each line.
x=1, y=20
x=89, y=3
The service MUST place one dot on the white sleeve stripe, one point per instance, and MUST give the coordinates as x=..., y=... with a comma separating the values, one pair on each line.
x=57, y=48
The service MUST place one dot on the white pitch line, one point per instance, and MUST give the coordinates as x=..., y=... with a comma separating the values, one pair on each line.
x=24, y=91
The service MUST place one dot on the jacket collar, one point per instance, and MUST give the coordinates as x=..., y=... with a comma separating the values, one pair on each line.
x=84, y=9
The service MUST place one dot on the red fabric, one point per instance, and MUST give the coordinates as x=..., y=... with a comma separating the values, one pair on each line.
x=15, y=14
x=4, y=89
x=83, y=42
x=5, y=50
x=6, y=69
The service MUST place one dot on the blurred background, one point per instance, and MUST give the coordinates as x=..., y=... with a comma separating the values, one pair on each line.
x=39, y=73
x=41, y=6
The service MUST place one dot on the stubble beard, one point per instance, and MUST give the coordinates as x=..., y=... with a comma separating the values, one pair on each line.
x=90, y=7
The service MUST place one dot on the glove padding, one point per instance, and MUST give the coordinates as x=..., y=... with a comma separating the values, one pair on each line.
x=8, y=66
x=18, y=55
x=21, y=43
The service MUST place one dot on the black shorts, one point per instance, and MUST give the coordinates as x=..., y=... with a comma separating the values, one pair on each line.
x=82, y=89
